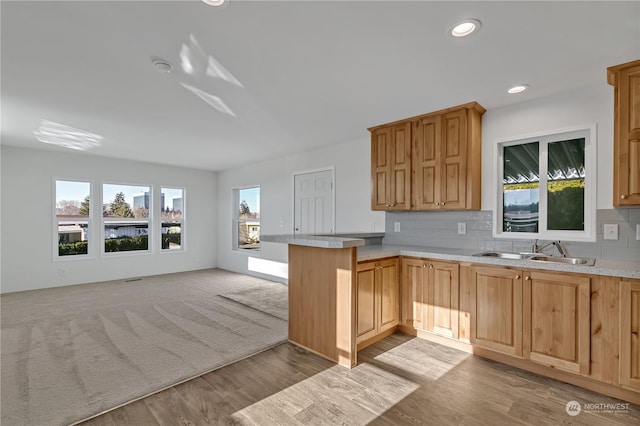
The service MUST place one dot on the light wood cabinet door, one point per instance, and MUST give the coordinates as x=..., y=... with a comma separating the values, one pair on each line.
x=443, y=287
x=630, y=334
x=391, y=167
x=557, y=320
x=388, y=289
x=626, y=146
x=496, y=309
x=366, y=303
x=427, y=144
x=431, y=296
x=378, y=297
x=412, y=299
x=454, y=160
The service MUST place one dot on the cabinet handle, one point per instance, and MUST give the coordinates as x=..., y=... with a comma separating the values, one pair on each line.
x=517, y=277
x=624, y=197
x=527, y=278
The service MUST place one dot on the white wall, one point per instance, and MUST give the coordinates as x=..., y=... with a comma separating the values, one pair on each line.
x=352, y=163
x=27, y=219
x=586, y=107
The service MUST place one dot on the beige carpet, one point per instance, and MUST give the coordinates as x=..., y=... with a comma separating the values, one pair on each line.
x=69, y=353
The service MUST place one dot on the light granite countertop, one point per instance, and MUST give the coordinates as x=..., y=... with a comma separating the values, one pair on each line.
x=378, y=251
x=323, y=241
x=602, y=267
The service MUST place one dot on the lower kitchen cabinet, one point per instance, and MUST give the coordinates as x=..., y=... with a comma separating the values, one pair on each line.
x=378, y=298
x=629, y=334
x=496, y=309
x=556, y=310
x=431, y=296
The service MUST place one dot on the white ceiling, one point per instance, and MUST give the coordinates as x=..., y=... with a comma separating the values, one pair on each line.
x=258, y=80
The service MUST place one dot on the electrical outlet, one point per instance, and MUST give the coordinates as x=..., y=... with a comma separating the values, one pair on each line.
x=396, y=226
x=372, y=226
x=610, y=231
x=462, y=228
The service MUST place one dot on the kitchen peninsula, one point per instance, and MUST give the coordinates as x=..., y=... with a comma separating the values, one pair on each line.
x=322, y=293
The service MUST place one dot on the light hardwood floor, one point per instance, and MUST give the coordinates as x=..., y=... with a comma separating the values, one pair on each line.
x=398, y=381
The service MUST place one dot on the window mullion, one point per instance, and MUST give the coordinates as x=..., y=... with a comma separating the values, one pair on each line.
x=544, y=173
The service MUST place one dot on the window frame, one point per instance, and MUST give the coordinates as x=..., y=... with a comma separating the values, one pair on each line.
x=182, y=219
x=108, y=219
x=589, y=133
x=236, y=220
x=91, y=231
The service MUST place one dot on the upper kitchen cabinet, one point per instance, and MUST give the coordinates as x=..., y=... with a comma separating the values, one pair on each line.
x=442, y=152
x=626, y=133
x=447, y=159
x=391, y=167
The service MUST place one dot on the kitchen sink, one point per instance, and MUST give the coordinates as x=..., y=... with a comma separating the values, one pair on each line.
x=538, y=257
x=570, y=260
x=504, y=255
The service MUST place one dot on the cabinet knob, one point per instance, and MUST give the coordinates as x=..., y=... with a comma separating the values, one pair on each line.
x=437, y=204
x=393, y=205
x=624, y=197
x=424, y=266
x=430, y=266
x=527, y=278
x=443, y=203
x=517, y=277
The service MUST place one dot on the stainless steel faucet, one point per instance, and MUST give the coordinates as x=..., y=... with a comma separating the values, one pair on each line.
x=557, y=244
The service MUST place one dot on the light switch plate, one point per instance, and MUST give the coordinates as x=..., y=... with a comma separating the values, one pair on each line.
x=396, y=226
x=462, y=228
x=610, y=231
x=638, y=232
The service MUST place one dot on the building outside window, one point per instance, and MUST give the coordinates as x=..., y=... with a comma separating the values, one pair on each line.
x=72, y=222
x=246, y=233
x=546, y=187
x=125, y=212
x=172, y=217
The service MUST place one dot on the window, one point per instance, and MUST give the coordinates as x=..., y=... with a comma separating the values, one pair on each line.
x=247, y=218
x=72, y=222
x=546, y=187
x=125, y=212
x=172, y=218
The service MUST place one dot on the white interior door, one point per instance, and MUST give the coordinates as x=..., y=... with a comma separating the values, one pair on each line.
x=313, y=202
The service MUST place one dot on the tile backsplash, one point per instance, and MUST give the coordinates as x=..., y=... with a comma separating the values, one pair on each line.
x=440, y=229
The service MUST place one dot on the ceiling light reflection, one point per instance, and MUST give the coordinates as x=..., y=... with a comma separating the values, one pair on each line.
x=212, y=100
x=185, y=59
x=194, y=60
x=54, y=133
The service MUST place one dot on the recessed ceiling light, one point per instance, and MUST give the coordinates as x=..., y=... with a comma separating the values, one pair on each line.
x=214, y=2
x=162, y=66
x=464, y=28
x=519, y=88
